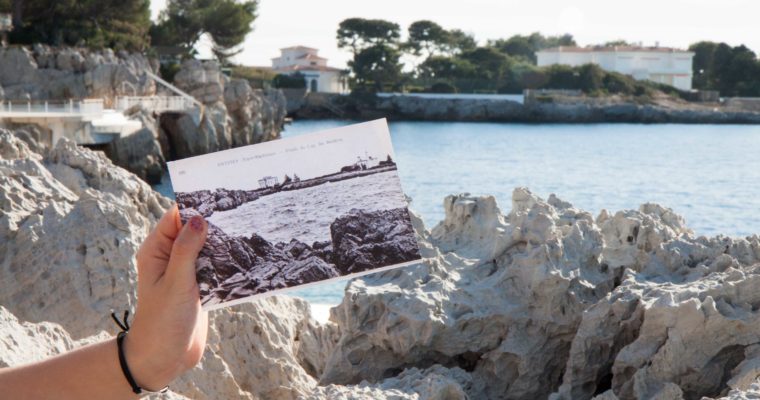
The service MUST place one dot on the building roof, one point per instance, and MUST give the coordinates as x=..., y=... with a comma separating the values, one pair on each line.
x=290, y=68
x=611, y=49
x=298, y=48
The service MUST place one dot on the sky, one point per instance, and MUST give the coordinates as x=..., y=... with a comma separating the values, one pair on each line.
x=673, y=23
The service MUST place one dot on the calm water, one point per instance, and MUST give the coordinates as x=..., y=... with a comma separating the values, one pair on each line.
x=288, y=215
x=710, y=174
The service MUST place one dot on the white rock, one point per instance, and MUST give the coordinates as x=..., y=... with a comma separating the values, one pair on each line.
x=270, y=348
x=70, y=227
x=546, y=295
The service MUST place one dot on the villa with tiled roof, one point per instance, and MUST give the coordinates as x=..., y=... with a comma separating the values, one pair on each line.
x=318, y=75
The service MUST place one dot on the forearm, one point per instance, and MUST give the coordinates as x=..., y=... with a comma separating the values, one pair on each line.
x=89, y=372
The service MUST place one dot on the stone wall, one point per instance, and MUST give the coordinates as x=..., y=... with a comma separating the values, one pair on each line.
x=559, y=109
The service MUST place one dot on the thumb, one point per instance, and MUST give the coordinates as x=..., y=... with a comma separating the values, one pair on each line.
x=187, y=245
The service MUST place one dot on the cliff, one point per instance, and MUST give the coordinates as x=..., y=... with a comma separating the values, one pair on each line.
x=545, y=301
x=233, y=114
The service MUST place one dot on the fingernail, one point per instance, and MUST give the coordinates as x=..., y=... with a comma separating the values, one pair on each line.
x=196, y=223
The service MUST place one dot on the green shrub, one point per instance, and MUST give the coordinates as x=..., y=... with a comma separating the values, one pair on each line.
x=442, y=87
x=295, y=81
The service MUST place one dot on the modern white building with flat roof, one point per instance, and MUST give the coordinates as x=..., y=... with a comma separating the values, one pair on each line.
x=319, y=76
x=658, y=64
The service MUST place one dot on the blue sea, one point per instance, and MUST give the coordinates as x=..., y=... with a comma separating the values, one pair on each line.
x=710, y=174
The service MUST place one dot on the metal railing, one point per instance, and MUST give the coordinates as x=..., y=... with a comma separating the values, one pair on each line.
x=86, y=106
x=155, y=103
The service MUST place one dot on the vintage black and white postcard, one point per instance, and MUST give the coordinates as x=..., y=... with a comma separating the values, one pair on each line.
x=296, y=211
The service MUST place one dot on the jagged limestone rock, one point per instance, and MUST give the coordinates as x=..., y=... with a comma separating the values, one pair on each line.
x=233, y=113
x=70, y=226
x=547, y=295
x=60, y=73
x=545, y=301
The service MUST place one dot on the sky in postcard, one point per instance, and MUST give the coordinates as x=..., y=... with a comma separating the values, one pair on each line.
x=675, y=23
x=307, y=156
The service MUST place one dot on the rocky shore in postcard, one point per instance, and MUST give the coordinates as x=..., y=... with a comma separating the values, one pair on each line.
x=230, y=114
x=575, y=110
x=233, y=267
x=544, y=301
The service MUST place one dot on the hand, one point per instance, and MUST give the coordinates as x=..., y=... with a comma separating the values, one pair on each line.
x=168, y=334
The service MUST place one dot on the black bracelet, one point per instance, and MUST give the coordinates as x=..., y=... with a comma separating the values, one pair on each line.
x=123, y=360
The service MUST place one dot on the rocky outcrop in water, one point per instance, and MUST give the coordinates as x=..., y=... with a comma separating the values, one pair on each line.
x=235, y=267
x=207, y=201
x=588, y=110
x=362, y=240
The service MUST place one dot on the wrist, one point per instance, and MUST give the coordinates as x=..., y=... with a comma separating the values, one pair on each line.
x=149, y=370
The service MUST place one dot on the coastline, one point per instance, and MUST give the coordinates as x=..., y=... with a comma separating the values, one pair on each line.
x=546, y=111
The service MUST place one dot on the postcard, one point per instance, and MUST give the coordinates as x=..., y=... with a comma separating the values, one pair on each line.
x=296, y=211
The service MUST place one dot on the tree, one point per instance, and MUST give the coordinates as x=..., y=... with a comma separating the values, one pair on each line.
x=733, y=71
x=526, y=46
x=376, y=67
x=226, y=22
x=294, y=81
x=120, y=24
x=704, y=53
x=459, y=42
x=359, y=34
x=375, y=48
x=449, y=68
x=428, y=36
x=617, y=42
x=489, y=63
x=516, y=46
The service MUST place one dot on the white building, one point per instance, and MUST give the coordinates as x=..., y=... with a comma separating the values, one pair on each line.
x=659, y=64
x=319, y=76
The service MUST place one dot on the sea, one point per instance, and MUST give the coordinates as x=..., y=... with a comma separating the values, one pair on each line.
x=306, y=214
x=709, y=174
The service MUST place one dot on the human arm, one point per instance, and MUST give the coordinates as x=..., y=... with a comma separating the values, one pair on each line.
x=166, y=338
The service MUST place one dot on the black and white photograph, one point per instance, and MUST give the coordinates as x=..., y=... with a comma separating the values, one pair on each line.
x=296, y=211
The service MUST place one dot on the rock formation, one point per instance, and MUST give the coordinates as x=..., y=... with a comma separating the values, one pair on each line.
x=553, y=110
x=362, y=240
x=47, y=73
x=70, y=225
x=546, y=301
x=233, y=113
x=231, y=268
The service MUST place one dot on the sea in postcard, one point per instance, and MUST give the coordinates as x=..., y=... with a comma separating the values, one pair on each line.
x=710, y=174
